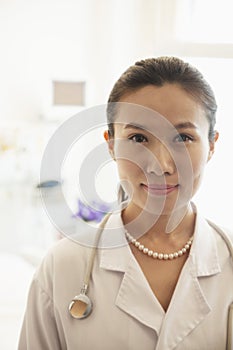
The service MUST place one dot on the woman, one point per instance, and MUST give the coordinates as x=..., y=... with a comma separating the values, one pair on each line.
x=169, y=284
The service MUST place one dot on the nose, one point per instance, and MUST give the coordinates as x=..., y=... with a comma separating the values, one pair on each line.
x=160, y=161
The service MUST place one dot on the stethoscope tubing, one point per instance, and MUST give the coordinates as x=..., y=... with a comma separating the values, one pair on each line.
x=93, y=252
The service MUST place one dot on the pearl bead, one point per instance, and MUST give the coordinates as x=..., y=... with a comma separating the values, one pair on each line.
x=156, y=255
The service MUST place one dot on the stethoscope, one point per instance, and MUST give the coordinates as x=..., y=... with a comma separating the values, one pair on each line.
x=81, y=306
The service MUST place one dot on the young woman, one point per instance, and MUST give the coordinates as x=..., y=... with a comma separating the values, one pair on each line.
x=169, y=284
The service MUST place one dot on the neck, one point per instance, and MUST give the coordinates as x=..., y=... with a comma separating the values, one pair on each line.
x=165, y=226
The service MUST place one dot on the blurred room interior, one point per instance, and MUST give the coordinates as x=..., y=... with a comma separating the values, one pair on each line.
x=61, y=57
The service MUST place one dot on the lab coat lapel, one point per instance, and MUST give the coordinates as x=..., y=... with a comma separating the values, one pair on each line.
x=186, y=311
x=189, y=305
x=136, y=298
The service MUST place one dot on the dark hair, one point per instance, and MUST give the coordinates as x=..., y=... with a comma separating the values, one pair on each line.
x=158, y=71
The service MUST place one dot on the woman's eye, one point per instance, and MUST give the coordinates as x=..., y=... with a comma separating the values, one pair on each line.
x=138, y=138
x=183, y=138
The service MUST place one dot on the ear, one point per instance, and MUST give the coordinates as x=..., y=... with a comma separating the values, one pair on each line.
x=212, y=145
x=110, y=142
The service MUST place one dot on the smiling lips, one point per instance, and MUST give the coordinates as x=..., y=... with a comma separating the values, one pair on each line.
x=159, y=190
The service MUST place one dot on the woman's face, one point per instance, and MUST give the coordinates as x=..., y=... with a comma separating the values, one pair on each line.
x=161, y=147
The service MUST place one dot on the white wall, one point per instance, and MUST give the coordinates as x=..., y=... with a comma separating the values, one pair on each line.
x=95, y=41
x=67, y=39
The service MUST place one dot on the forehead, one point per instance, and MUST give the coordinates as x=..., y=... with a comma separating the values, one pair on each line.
x=168, y=104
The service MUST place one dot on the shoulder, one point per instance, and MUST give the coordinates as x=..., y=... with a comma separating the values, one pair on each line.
x=64, y=260
x=224, y=239
x=63, y=251
x=221, y=230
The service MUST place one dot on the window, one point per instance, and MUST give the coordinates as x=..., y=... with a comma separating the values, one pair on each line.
x=205, y=21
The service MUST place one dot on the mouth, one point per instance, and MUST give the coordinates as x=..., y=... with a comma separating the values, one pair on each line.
x=160, y=190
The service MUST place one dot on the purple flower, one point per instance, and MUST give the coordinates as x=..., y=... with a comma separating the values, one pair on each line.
x=90, y=213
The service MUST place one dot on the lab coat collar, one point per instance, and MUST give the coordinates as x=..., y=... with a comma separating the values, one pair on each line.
x=189, y=304
x=115, y=253
x=203, y=253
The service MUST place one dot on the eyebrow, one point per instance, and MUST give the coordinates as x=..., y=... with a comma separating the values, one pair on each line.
x=183, y=125
x=134, y=126
x=186, y=125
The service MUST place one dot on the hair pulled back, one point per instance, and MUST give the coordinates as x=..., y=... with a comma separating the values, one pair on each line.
x=157, y=72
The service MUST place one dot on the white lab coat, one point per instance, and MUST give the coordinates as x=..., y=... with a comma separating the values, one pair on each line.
x=126, y=314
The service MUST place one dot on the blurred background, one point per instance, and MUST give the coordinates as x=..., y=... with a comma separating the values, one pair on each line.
x=61, y=57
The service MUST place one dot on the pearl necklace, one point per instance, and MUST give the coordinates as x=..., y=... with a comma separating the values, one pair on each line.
x=155, y=255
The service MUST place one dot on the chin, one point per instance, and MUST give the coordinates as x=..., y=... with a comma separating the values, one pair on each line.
x=165, y=206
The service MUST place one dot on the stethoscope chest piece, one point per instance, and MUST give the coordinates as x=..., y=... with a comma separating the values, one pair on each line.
x=80, y=307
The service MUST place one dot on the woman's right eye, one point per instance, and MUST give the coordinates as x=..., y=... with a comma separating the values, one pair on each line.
x=139, y=138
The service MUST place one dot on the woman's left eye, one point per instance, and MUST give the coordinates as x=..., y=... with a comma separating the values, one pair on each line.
x=138, y=138
x=183, y=138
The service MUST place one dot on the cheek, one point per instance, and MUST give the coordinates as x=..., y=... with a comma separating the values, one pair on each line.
x=134, y=153
x=128, y=169
x=191, y=165
x=198, y=166
x=199, y=160
x=130, y=176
